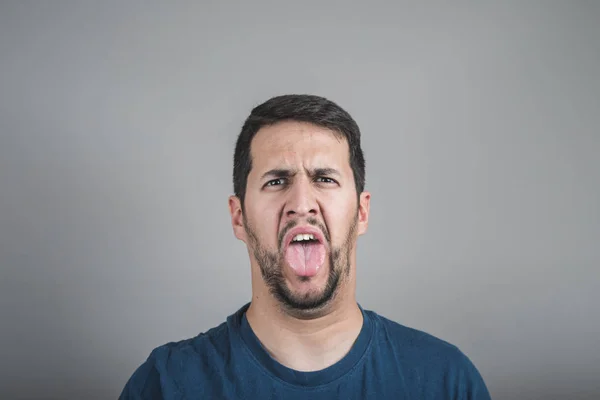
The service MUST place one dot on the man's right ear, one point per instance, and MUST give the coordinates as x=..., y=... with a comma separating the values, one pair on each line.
x=237, y=218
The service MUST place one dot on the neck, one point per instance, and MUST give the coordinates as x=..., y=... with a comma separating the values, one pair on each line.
x=306, y=344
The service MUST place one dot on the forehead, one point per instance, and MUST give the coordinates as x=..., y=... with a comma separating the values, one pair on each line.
x=291, y=142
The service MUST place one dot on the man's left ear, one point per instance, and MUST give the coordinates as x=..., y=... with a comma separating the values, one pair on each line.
x=364, y=203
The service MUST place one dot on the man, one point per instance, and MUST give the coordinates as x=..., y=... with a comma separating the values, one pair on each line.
x=299, y=206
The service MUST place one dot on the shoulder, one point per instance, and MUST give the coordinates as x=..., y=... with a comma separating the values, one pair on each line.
x=412, y=341
x=213, y=343
x=429, y=358
x=177, y=361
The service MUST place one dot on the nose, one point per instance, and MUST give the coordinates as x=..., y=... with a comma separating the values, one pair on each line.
x=302, y=200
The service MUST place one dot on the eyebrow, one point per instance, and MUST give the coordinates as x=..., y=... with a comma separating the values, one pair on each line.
x=286, y=173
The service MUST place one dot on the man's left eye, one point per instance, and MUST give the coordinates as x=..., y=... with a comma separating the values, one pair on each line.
x=324, y=179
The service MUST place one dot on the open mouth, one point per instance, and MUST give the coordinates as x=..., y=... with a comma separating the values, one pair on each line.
x=304, y=238
x=305, y=253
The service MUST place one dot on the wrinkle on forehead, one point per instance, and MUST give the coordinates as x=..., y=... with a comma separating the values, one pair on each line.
x=297, y=143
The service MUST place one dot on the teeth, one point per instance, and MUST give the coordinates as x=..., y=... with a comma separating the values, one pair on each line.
x=306, y=236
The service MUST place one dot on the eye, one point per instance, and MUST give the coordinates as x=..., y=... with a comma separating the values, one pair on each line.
x=276, y=182
x=324, y=179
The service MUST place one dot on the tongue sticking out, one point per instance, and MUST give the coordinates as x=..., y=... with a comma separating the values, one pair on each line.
x=305, y=258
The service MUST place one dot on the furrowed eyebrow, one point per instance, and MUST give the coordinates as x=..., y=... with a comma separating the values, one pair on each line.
x=278, y=173
x=286, y=173
x=325, y=171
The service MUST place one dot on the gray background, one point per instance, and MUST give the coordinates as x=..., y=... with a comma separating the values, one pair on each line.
x=118, y=121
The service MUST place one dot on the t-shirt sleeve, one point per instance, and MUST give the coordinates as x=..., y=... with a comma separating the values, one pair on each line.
x=144, y=384
x=471, y=385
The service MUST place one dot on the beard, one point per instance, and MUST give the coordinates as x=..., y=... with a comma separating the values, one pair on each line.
x=271, y=266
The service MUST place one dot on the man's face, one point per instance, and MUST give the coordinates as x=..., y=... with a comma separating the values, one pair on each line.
x=301, y=213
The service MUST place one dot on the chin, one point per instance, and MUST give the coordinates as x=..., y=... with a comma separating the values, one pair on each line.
x=305, y=295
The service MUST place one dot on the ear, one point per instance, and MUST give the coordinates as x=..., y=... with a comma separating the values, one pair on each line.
x=237, y=218
x=364, y=203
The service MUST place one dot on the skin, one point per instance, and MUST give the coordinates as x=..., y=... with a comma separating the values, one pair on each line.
x=304, y=323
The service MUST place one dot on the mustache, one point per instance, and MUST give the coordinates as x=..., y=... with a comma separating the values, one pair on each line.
x=310, y=221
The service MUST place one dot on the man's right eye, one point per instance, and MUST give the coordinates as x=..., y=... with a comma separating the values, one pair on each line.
x=275, y=182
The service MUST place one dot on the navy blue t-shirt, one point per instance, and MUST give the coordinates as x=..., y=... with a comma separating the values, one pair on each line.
x=387, y=361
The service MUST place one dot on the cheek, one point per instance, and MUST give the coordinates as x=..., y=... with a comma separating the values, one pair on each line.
x=264, y=222
x=338, y=218
x=270, y=222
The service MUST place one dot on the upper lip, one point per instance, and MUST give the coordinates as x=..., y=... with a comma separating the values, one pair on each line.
x=303, y=229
